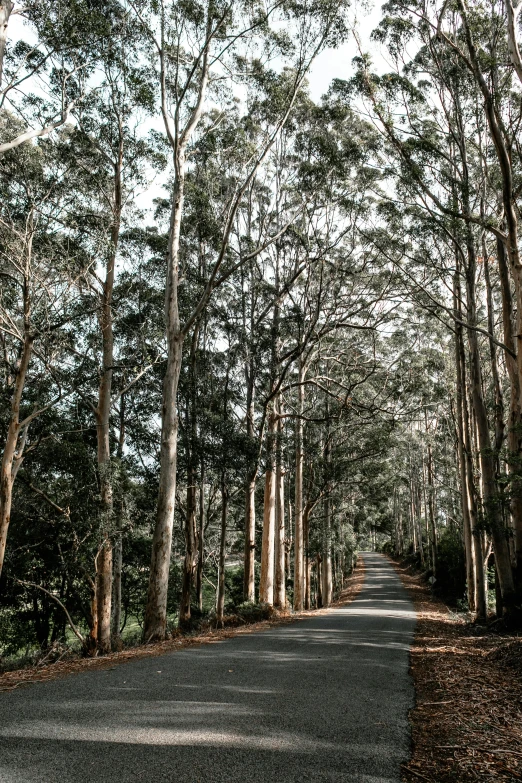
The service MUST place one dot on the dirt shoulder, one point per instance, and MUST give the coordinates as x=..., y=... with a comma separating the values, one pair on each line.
x=467, y=722
x=52, y=671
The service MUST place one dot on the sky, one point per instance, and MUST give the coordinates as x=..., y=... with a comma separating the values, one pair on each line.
x=364, y=16
x=337, y=63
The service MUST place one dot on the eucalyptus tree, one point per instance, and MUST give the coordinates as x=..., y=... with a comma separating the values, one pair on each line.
x=436, y=160
x=114, y=155
x=41, y=269
x=191, y=47
x=44, y=77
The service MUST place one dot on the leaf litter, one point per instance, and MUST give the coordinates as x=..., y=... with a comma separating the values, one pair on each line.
x=467, y=721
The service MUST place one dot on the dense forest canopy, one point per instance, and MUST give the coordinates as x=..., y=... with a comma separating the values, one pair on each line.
x=243, y=333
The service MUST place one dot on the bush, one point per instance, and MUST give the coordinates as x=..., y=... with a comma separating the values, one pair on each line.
x=254, y=613
x=450, y=581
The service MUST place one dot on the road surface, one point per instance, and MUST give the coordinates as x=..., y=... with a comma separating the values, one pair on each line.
x=322, y=699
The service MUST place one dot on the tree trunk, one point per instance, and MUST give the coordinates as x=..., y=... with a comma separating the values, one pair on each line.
x=319, y=593
x=299, y=578
x=249, y=584
x=306, y=558
x=201, y=540
x=6, y=6
x=117, y=565
x=220, y=602
x=279, y=544
x=487, y=463
x=191, y=543
x=9, y=456
x=280, y=571
x=189, y=561
x=487, y=456
x=431, y=511
x=266, y=584
x=327, y=589
x=464, y=496
x=116, y=589
x=103, y=412
x=514, y=436
x=155, y=622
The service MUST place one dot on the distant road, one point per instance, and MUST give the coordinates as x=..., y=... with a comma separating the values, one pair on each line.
x=324, y=699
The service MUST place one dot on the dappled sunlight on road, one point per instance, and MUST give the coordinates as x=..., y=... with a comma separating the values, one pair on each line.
x=325, y=699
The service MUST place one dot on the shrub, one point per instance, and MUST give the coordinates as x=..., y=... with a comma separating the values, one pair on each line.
x=450, y=581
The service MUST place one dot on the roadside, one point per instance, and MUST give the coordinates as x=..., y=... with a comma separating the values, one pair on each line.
x=52, y=671
x=467, y=722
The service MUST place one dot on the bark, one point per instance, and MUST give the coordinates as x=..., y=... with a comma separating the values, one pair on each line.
x=299, y=576
x=117, y=563
x=431, y=509
x=514, y=434
x=189, y=561
x=249, y=593
x=497, y=386
x=306, y=557
x=327, y=587
x=220, y=602
x=9, y=456
x=280, y=571
x=266, y=584
x=6, y=6
x=201, y=539
x=104, y=596
x=513, y=12
x=319, y=573
x=103, y=412
x=191, y=544
x=469, y=548
x=155, y=622
x=116, y=589
x=279, y=544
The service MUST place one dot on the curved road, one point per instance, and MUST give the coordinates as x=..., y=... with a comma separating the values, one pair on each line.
x=324, y=699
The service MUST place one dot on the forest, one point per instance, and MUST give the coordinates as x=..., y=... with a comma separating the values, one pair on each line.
x=246, y=334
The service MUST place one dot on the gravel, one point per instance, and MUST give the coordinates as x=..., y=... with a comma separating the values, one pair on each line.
x=323, y=699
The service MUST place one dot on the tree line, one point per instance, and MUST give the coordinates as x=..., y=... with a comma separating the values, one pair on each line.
x=243, y=332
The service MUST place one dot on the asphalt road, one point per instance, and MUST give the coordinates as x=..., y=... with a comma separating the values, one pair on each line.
x=324, y=699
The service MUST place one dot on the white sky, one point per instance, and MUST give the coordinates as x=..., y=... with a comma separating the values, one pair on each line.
x=364, y=17
x=337, y=63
